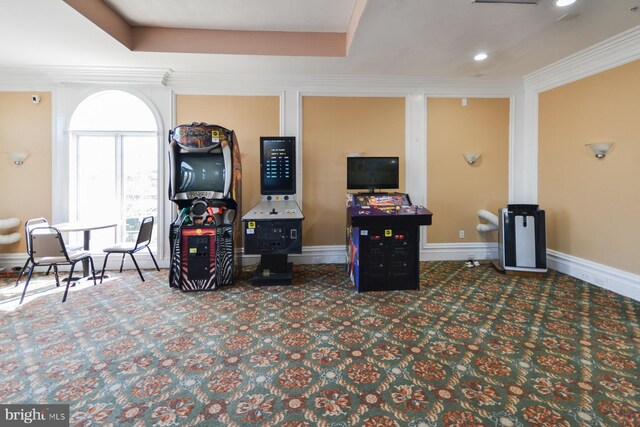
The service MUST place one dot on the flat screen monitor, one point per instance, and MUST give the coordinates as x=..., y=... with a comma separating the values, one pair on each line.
x=277, y=165
x=201, y=172
x=372, y=173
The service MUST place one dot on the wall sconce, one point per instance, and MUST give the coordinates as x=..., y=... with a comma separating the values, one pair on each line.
x=471, y=157
x=17, y=157
x=601, y=149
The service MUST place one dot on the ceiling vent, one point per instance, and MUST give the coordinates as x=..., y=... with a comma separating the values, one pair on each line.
x=507, y=1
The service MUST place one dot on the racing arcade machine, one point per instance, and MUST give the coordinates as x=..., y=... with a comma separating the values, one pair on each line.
x=273, y=228
x=205, y=178
x=383, y=229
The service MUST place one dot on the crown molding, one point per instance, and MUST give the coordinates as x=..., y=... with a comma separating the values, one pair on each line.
x=613, y=52
x=186, y=82
x=108, y=75
x=238, y=84
x=18, y=79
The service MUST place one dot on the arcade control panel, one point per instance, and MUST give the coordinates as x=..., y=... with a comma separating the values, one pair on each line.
x=273, y=227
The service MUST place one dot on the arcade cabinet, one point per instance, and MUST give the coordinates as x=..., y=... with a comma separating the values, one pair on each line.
x=273, y=228
x=383, y=229
x=205, y=179
x=522, y=242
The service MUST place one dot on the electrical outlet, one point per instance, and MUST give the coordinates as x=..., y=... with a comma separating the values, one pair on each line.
x=461, y=234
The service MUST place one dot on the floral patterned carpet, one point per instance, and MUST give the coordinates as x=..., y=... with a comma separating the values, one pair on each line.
x=472, y=347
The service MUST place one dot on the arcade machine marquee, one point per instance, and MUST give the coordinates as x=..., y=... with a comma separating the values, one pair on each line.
x=273, y=228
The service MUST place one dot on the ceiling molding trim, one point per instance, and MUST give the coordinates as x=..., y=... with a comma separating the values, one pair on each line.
x=613, y=52
x=184, y=40
x=354, y=21
x=97, y=12
x=14, y=79
x=109, y=75
x=231, y=42
x=190, y=82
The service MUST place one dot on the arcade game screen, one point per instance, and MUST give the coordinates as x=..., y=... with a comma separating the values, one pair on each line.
x=200, y=172
x=372, y=172
x=277, y=165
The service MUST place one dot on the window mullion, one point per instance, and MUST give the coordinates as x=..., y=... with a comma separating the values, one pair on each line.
x=74, y=178
x=119, y=176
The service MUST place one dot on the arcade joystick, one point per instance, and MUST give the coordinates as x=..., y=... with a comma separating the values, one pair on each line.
x=273, y=212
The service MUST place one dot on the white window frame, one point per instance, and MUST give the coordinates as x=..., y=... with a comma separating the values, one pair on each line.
x=118, y=137
x=66, y=100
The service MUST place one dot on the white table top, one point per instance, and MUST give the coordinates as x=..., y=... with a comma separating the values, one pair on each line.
x=85, y=225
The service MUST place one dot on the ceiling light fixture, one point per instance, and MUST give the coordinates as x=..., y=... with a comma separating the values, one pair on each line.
x=481, y=56
x=564, y=3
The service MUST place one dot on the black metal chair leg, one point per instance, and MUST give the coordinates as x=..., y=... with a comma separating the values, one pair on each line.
x=93, y=271
x=24, y=291
x=104, y=265
x=55, y=270
x=24, y=267
x=136, y=264
x=66, y=291
x=48, y=271
x=122, y=262
x=153, y=258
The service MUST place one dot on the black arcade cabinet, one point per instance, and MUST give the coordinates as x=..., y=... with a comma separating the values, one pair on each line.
x=383, y=229
x=273, y=228
x=383, y=241
x=205, y=179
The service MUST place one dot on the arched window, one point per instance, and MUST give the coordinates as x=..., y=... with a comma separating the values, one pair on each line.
x=113, y=165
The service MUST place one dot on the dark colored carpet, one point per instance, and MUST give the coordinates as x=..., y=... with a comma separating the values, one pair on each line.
x=472, y=347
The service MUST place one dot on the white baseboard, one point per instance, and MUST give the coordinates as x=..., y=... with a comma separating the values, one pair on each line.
x=142, y=258
x=12, y=260
x=334, y=254
x=458, y=251
x=618, y=281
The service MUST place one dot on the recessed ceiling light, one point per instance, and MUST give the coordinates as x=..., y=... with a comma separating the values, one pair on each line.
x=481, y=56
x=563, y=3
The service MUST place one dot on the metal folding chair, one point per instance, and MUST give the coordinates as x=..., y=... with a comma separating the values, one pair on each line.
x=48, y=249
x=143, y=240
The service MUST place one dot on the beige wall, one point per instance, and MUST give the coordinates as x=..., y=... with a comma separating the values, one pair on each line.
x=592, y=206
x=455, y=189
x=333, y=127
x=25, y=189
x=249, y=116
